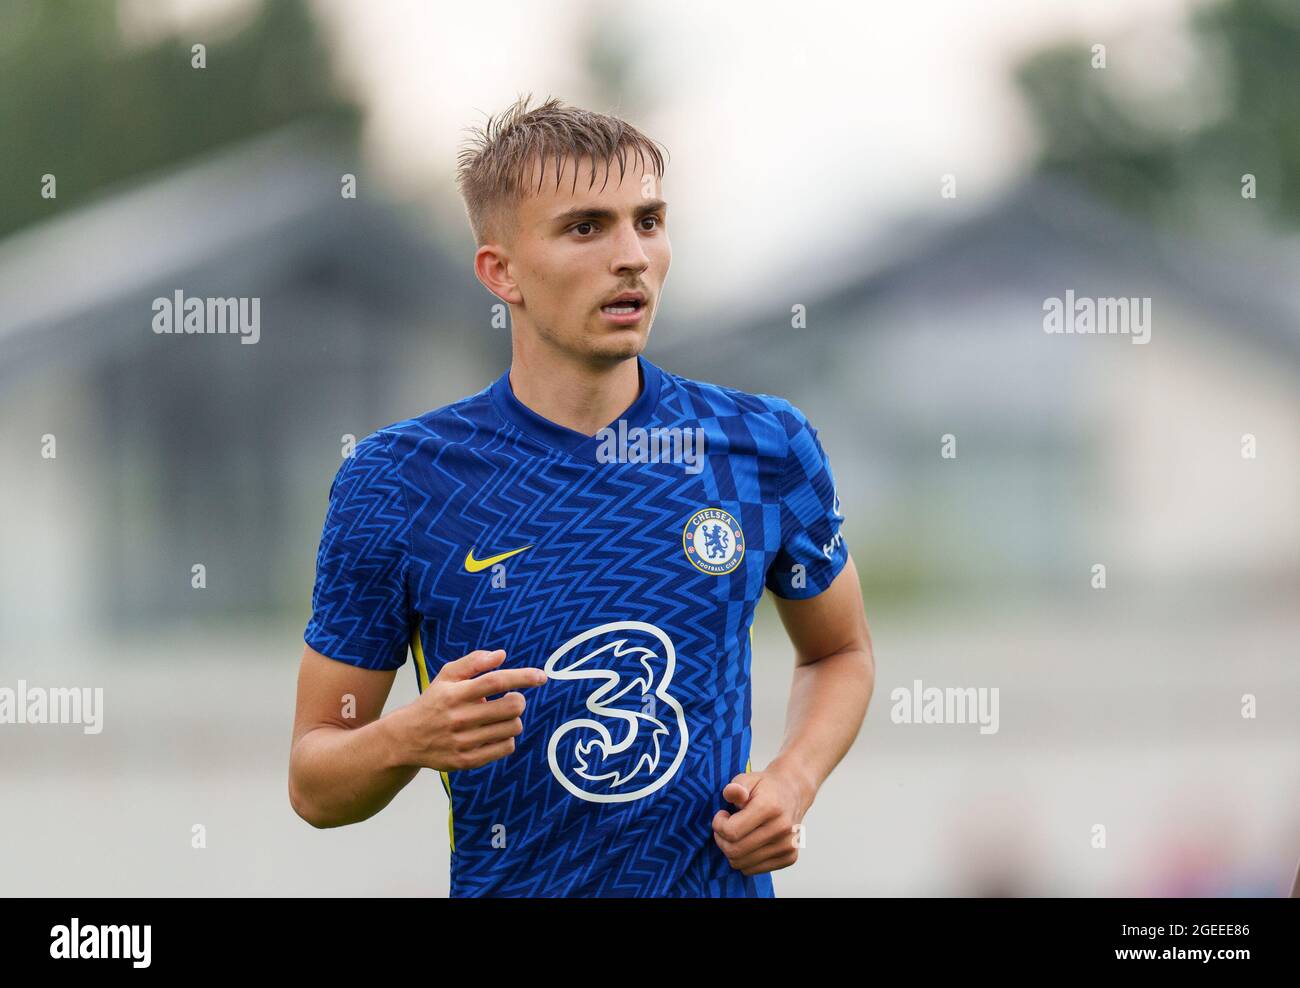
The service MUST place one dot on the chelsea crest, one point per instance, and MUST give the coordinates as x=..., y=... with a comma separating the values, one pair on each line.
x=713, y=541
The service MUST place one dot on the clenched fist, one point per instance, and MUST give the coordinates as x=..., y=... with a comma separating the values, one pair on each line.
x=761, y=835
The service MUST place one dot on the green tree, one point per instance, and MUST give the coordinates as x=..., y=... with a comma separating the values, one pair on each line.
x=78, y=104
x=1244, y=100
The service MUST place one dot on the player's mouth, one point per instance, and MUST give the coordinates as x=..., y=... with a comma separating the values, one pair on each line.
x=625, y=309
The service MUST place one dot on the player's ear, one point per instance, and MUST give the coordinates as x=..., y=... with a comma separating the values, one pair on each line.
x=492, y=268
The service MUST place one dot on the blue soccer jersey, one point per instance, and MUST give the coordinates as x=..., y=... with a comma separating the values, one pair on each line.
x=626, y=566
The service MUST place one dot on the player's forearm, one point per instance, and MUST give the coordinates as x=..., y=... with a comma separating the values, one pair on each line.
x=828, y=701
x=342, y=775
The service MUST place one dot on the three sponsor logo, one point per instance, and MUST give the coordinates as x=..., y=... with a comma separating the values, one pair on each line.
x=632, y=737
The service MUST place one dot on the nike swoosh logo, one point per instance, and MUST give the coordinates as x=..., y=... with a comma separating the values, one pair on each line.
x=479, y=565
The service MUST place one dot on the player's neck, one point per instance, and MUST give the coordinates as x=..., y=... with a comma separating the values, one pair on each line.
x=577, y=395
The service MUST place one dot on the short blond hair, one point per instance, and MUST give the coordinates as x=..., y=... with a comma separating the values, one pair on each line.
x=497, y=159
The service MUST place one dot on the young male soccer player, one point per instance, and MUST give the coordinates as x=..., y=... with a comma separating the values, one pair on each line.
x=573, y=556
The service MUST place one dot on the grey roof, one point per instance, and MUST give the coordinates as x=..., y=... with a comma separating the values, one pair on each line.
x=1044, y=236
x=72, y=286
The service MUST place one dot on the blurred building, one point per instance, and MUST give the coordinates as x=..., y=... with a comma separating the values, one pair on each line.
x=176, y=450
x=1071, y=449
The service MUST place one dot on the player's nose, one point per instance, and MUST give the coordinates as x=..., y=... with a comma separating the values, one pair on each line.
x=629, y=253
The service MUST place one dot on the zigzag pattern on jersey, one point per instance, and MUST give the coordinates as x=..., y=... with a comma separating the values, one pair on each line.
x=603, y=545
x=518, y=492
x=606, y=546
x=361, y=563
x=575, y=581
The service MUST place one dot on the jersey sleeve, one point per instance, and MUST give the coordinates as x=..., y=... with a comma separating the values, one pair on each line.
x=360, y=604
x=813, y=550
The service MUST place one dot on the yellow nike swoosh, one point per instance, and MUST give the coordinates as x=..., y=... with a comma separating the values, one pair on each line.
x=479, y=565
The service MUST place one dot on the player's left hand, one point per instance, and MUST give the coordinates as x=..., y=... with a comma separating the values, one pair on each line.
x=761, y=835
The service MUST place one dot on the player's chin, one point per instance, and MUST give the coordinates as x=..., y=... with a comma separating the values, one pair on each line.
x=619, y=344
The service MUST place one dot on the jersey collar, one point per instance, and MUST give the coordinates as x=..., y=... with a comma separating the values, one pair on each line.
x=569, y=440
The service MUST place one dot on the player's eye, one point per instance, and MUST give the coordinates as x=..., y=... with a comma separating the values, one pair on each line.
x=578, y=228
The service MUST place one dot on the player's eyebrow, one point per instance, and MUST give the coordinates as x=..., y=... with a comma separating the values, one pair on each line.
x=592, y=213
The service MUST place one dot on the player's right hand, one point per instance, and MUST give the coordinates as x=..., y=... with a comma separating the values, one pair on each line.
x=453, y=725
